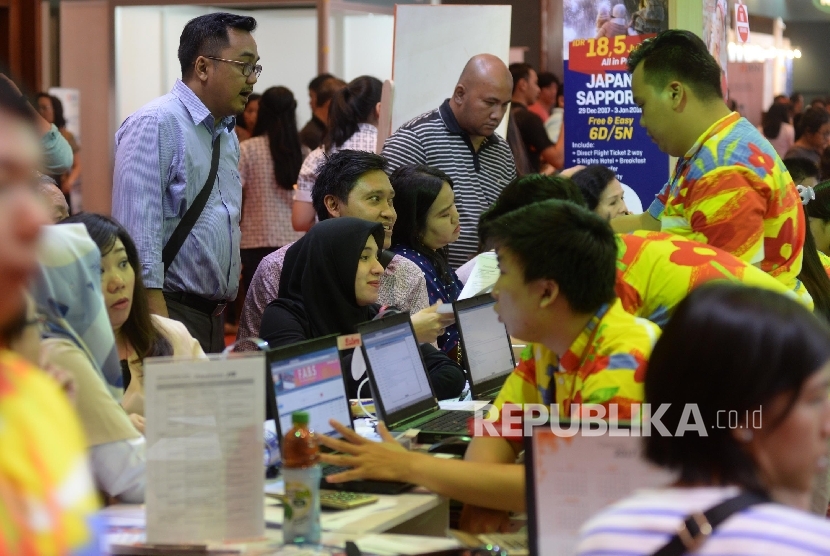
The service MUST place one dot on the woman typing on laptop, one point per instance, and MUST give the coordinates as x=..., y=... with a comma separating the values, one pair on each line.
x=329, y=285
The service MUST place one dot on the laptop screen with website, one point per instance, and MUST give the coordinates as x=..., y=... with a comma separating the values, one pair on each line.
x=311, y=382
x=399, y=373
x=486, y=344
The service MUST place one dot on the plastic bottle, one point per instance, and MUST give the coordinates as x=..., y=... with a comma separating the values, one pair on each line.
x=301, y=471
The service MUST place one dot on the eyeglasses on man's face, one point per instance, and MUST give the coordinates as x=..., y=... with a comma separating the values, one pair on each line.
x=247, y=67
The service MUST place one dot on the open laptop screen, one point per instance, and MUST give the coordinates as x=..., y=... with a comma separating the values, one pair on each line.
x=396, y=363
x=486, y=344
x=311, y=382
x=569, y=480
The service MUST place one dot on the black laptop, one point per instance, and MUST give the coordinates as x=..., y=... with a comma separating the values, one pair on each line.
x=308, y=377
x=486, y=353
x=403, y=395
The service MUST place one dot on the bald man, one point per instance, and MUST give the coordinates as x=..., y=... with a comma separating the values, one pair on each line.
x=459, y=138
x=53, y=197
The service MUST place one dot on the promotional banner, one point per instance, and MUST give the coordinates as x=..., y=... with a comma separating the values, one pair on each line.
x=601, y=119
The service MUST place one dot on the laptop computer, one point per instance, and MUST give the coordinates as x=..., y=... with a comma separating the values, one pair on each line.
x=403, y=394
x=486, y=353
x=307, y=377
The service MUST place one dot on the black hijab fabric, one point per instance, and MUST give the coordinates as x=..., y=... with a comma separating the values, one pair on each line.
x=318, y=275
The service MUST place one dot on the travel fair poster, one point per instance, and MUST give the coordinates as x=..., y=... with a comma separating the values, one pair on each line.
x=602, y=120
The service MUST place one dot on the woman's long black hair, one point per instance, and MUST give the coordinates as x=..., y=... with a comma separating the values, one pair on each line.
x=278, y=120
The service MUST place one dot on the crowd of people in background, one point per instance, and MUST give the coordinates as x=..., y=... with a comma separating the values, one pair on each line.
x=718, y=294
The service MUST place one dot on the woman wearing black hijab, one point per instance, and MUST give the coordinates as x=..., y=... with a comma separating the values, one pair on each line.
x=329, y=285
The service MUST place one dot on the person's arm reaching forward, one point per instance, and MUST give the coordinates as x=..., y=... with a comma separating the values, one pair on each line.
x=483, y=484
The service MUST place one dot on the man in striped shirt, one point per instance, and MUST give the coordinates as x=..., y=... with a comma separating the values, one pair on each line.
x=163, y=158
x=459, y=139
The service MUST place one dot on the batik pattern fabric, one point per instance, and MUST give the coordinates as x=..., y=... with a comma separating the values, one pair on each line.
x=656, y=270
x=825, y=262
x=46, y=492
x=605, y=365
x=732, y=191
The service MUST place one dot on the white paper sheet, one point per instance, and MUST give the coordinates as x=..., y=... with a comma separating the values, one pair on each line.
x=204, y=435
x=484, y=275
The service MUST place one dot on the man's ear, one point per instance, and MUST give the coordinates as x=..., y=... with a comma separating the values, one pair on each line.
x=200, y=69
x=332, y=205
x=677, y=92
x=549, y=292
x=459, y=93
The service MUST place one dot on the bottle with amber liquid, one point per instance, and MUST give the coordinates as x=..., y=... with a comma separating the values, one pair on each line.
x=301, y=472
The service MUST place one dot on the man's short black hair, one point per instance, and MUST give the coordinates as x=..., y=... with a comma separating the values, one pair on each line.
x=546, y=79
x=526, y=190
x=14, y=104
x=338, y=175
x=317, y=82
x=680, y=55
x=207, y=35
x=327, y=90
x=563, y=242
x=519, y=70
x=801, y=168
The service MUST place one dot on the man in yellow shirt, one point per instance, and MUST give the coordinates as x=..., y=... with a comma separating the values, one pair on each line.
x=46, y=493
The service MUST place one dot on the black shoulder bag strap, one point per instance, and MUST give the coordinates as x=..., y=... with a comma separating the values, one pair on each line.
x=174, y=244
x=699, y=526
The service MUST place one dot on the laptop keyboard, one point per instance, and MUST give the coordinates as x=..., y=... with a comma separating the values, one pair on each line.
x=451, y=421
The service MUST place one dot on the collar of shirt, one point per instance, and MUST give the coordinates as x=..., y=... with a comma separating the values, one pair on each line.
x=453, y=127
x=713, y=130
x=574, y=358
x=197, y=109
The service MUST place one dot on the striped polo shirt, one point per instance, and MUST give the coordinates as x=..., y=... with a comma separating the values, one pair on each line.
x=436, y=139
x=644, y=522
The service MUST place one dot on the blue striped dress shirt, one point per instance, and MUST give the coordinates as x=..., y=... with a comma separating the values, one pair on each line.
x=162, y=160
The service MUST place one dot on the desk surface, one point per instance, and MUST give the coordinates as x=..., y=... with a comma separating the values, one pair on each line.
x=388, y=512
x=125, y=523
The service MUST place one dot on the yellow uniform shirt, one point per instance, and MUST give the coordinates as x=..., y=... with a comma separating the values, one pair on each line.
x=605, y=365
x=46, y=492
x=656, y=270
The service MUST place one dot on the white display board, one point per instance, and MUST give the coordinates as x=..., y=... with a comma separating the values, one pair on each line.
x=432, y=45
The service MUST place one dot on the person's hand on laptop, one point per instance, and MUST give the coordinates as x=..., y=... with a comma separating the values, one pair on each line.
x=429, y=324
x=383, y=461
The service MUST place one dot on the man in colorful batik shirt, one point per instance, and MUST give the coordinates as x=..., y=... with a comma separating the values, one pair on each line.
x=46, y=492
x=656, y=270
x=556, y=289
x=729, y=188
